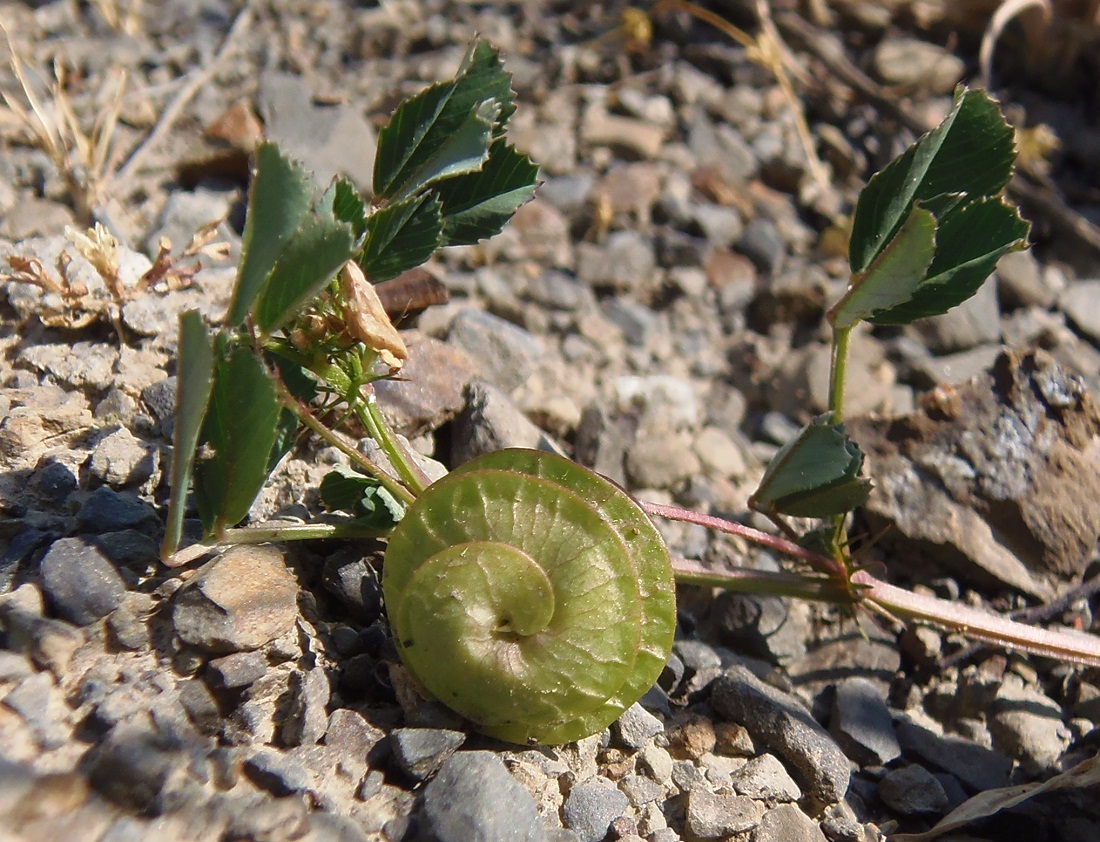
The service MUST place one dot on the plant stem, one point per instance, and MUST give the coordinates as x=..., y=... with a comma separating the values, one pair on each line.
x=845, y=588
x=769, y=582
x=267, y=533
x=371, y=417
x=824, y=564
x=838, y=373
x=390, y=483
x=1061, y=645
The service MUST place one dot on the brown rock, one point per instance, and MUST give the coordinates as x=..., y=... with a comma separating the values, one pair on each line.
x=240, y=601
x=999, y=477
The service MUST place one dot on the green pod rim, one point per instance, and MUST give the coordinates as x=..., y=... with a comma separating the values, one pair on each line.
x=613, y=616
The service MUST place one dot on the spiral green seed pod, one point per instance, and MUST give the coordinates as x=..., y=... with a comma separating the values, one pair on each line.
x=531, y=595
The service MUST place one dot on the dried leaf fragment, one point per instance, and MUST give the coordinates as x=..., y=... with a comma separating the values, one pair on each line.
x=366, y=320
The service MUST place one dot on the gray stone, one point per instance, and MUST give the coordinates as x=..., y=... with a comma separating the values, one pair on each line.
x=133, y=764
x=187, y=211
x=787, y=823
x=129, y=548
x=637, y=726
x=954, y=368
x=717, y=816
x=278, y=773
x=473, y=799
x=1027, y=724
x=721, y=225
x=762, y=243
x=1020, y=282
x=306, y=718
x=201, y=706
x=663, y=401
x=329, y=140
x=349, y=576
x=419, y=752
x=591, y=806
x=911, y=790
x=777, y=721
x=504, y=352
x=352, y=735
x=767, y=627
x=661, y=459
x=657, y=762
x=765, y=778
x=14, y=666
x=625, y=262
x=39, y=703
x=81, y=365
x=128, y=622
x=120, y=459
x=557, y=291
x=839, y=824
x=80, y=583
x=52, y=482
x=237, y=670
x=1078, y=302
x=639, y=325
x=688, y=777
x=640, y=790
x=107, y=510
x=861, y=723
x=240, y=601
x=915, y=63
x=491, y=421
x=977, y=768
x=977, y=321
x=626, y=134
x=160, y=398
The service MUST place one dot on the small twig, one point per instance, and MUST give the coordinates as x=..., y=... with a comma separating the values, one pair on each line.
x=195, y=80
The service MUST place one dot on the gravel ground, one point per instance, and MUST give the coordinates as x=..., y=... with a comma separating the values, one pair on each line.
x=656, y=312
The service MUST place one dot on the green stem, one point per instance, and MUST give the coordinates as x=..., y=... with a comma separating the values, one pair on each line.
x=838, y=373
x=274, y=532
x=767, y=582
x=390, y=483
x=371, y=417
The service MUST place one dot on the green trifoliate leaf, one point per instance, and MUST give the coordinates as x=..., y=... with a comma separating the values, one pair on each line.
x=345, y=203
x=969, y=155
x=816, y=474
x=308, y=261
x=894, y=276
x=278, y=201
x=477, y=205
x=969, y=242
x=343, y=489
x=238, y=436
x=401, y=236
x=446, y=129
x=194, y=381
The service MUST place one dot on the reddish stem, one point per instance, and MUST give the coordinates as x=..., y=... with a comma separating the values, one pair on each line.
x=823, y=563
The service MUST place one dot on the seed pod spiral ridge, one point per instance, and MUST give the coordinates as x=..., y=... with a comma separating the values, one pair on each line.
x=531, y=595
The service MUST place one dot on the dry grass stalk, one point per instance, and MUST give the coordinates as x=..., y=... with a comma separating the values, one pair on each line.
x=83, y=159
x=768, y=50
x=79, y=305
x=120, y=15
